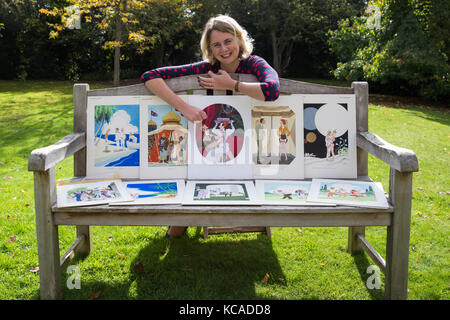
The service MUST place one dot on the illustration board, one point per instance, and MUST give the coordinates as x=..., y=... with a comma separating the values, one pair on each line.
x=87, y=193
x=146, y=192
x=285, y=192
x=164, y=142
x=277, y=138
x=113, y=137
x=329, y=136
x=220, y=193
x=221, y=143
x=346, y=192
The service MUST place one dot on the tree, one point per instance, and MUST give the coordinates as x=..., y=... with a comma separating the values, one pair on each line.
x=110, y=16
x=140, y=24
x=103, y=114
x=399, y=44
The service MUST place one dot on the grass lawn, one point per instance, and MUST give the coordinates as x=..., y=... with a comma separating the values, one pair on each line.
x=295, y=263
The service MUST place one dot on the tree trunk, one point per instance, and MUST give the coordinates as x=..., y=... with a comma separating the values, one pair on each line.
x=117, y=51
x=275, y=54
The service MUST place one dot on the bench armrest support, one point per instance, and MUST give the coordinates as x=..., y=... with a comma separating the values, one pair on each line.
x=400, y=159
x=45, y=158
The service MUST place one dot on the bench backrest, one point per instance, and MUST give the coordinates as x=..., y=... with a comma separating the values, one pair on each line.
x=189, y=85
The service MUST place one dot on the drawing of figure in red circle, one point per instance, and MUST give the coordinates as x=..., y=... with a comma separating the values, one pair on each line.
x=220, y=136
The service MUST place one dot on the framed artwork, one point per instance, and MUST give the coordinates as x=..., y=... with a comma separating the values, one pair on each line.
x=146, y=192
x=164, y=141
x=220, y=193
x=330, y=136
x=113, y=137
x=88, y=193
x=346, y=192
x=220, y=146
x=285, y=192
x=277, y=138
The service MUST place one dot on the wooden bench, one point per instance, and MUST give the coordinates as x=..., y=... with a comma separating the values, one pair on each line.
x=396, y=218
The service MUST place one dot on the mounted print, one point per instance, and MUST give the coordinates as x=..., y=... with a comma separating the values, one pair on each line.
x=345, y=192
x=113, y=137
x=330, y=136
x=149, y=192
x=164, y=142
x=277, y=138
x=220, y=193
x=88, y=193
x=284, y=192
x=220, y=145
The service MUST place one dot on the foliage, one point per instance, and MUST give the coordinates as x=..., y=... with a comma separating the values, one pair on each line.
x=398, y=44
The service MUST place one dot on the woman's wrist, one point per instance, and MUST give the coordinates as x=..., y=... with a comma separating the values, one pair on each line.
x=236, y=86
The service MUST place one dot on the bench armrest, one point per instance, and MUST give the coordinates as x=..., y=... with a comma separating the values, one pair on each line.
x=401, y=159
x=45, y=158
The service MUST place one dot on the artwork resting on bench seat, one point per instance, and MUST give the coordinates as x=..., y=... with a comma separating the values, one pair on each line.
x=277, y=138
x=145, y=192
x=164, y=142
x=285, y=192
x=330, y=136
x=88, y=193
x=113, y=137
x=346, y=192
x=220, y=193
x=220, y=145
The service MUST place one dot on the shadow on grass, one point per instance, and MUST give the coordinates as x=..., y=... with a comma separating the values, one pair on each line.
x=192, y=268
x=362, y=263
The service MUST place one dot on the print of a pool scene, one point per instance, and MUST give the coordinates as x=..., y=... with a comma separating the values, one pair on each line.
x=116, y=139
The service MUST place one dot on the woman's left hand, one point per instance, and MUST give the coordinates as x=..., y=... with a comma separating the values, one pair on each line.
x=219, y=81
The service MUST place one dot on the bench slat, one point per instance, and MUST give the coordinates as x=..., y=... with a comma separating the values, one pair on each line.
x=189, y=83
x=339, y=217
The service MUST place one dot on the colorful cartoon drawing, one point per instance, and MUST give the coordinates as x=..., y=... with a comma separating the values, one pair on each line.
x=115, y=125
x=221, y=134
x=274, y=134
x=91, y=193
x=156, y=190
x=329, y=136
x=341, y=191
x=167, y=136
x=288, y=191
x=225, y=192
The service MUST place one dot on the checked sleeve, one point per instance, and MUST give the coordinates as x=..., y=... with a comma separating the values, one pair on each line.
x=178, y=71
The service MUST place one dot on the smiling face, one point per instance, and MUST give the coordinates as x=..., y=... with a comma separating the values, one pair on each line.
x=225, y=48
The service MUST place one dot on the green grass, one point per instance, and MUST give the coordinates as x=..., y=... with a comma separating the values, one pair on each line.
x=138, y=263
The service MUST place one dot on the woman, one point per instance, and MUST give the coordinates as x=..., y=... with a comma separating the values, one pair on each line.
x=226, y=48
x=283, y=133
x=221, y=152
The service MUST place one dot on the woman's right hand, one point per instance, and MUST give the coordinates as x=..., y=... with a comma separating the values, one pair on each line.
x=193, y=114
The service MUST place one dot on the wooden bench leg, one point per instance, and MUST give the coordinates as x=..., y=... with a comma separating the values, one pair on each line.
x=47, y=235
x=85, y=249
x=398, y=233
x=353, y=245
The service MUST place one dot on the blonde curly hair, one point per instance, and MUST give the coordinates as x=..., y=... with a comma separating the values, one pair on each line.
x=224, y=23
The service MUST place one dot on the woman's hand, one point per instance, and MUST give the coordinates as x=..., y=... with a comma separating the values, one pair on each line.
x=219, y=81
x=193, y=114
